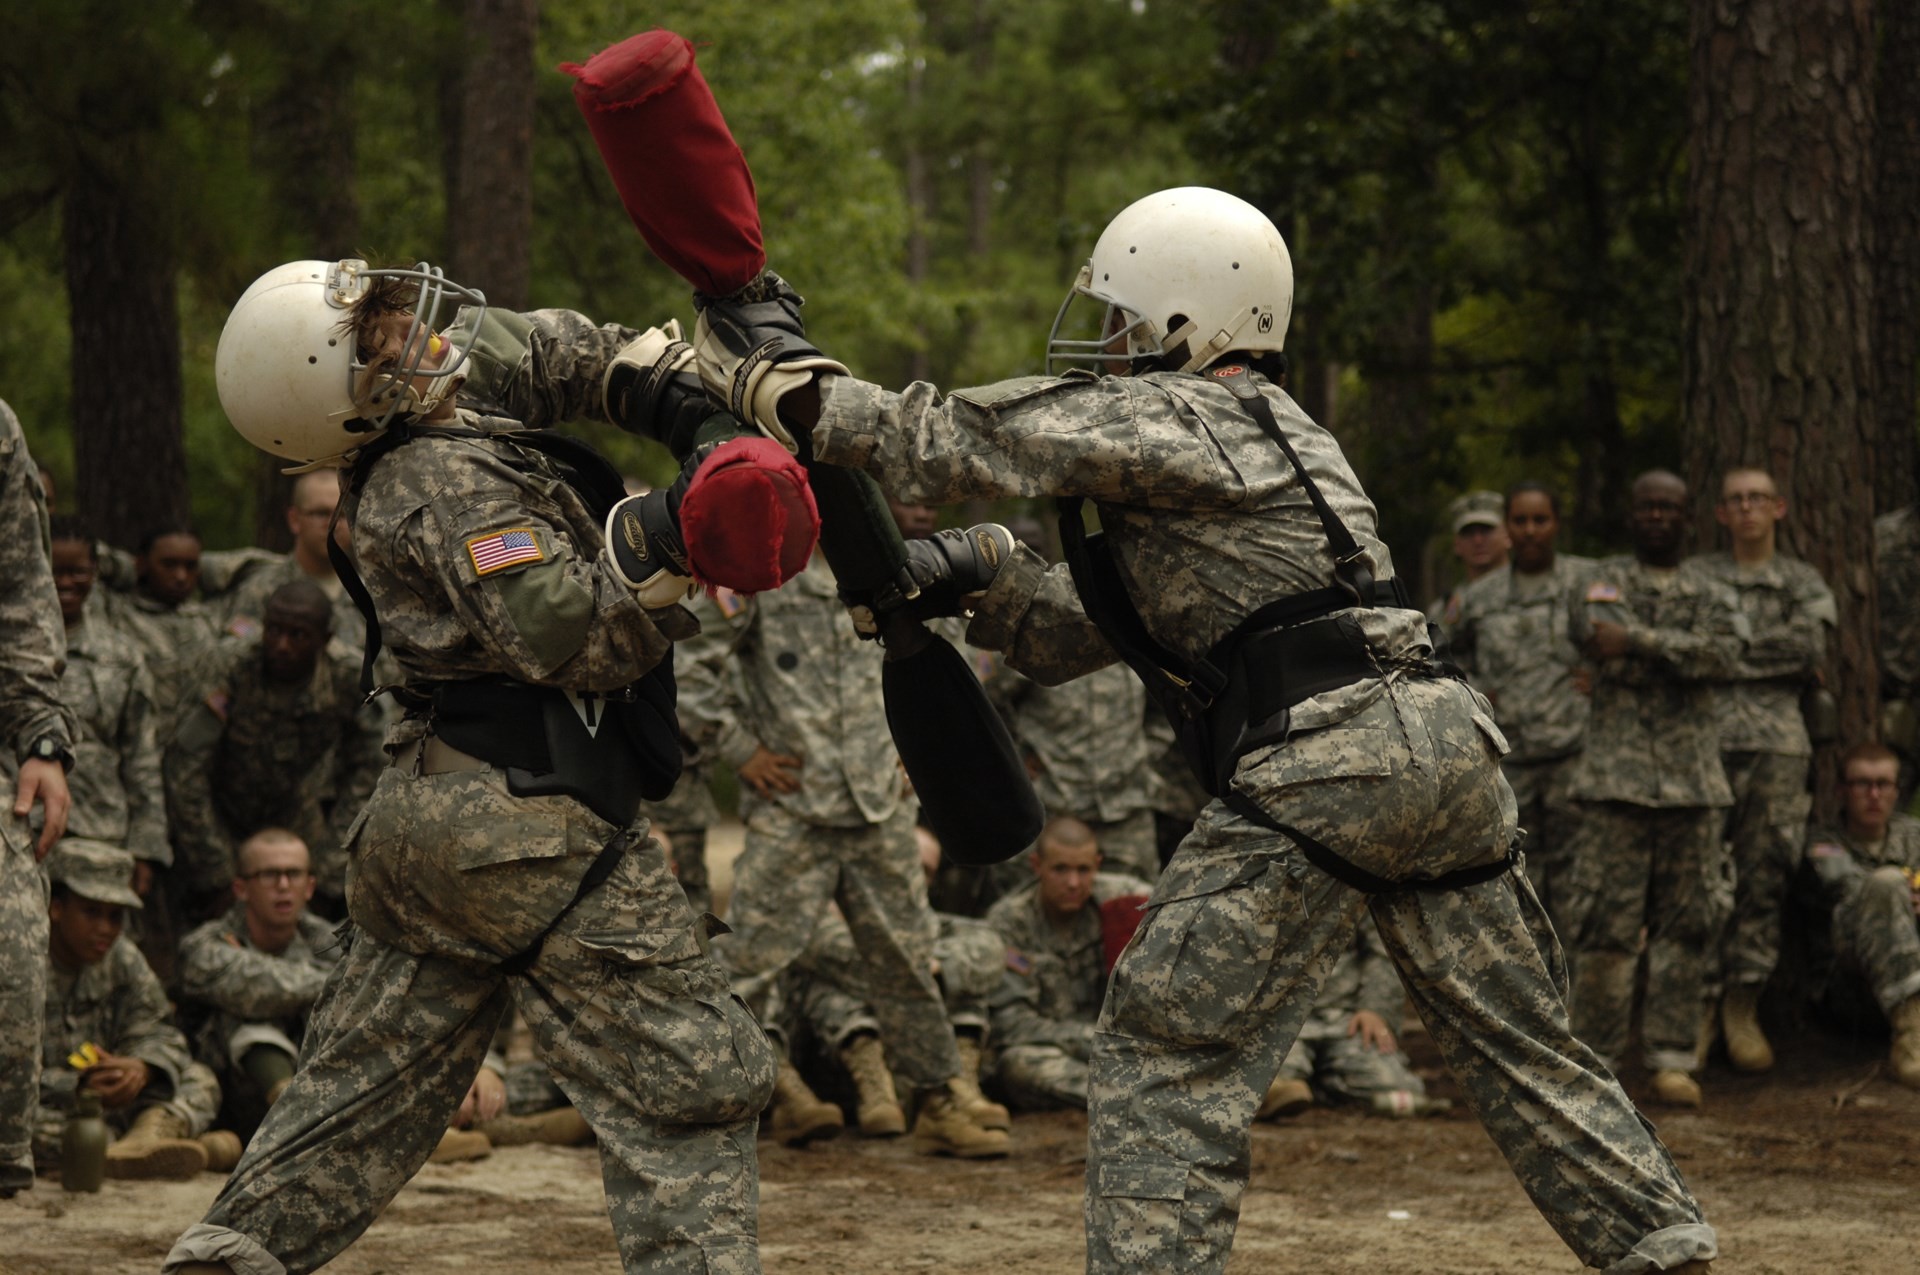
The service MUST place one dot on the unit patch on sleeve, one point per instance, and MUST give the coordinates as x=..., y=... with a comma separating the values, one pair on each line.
x=504, y=549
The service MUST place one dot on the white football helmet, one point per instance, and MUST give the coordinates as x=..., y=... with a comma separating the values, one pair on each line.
x=1186, y=274
x=292, y=381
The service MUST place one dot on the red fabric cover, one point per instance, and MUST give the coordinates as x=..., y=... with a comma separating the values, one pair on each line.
x=748, y=517
x=1120, y=916
x=682, y=178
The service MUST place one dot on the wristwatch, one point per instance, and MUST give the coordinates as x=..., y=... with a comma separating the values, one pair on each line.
x=50, y=748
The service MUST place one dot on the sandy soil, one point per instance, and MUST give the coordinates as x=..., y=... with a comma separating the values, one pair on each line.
x=1815, y=1168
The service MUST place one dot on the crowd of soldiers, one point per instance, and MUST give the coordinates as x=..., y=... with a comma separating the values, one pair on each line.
x=222, y=751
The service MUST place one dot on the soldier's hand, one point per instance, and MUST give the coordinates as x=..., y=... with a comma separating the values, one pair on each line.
x=142, y=877
x=486, y=1098
x=768, y=772
x=1372, y=1031
x=117, y=1079
x=752, y=351
x=1583, y=679
x=1609, y=640
x=44, y=782
x=954, y=567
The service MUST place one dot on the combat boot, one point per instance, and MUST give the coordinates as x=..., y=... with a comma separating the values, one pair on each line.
x=158, y=1146
x=460, y=1144
x=223, y=1148
x=1284, y=1098
x=985, y=1111
x=879, y=1114
x=944, y=1127
x=561, y=1127
x=1676, y=1089
x=799, y=1116
x=1747, y=1047
x=1904, y=1057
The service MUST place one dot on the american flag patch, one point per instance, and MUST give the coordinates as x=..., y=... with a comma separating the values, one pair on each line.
x=504, y=549
x=729, y=602
x=1602, y=593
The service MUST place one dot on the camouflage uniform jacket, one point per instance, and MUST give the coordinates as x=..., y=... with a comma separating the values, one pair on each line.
x=1089, y=739
x=176, y=643
x=1842, y=862
x=1056, y=977
x=1789, y=611
x=1651, y=739
x=1207, y=518
x=1362, y=979
x=253, y=753
x=803, y=683
x=220, y=967
x=116, y=783
x=1511, y=637
x=244, y=604
x=116, y=1004
x=32, y=646
x=1896, y=555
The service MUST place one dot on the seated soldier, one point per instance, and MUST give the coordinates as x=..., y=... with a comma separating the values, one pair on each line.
x=279, y=737
x=824, y=998
x=1057, y=960
x=1346, y=1049
x=1869, y=874
x=258, y=970
x=109, y=1030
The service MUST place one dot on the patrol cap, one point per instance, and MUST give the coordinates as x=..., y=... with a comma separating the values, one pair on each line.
x=1478, y=509
x=94, y=870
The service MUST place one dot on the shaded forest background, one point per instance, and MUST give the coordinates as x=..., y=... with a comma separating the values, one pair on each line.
x=1552, y=241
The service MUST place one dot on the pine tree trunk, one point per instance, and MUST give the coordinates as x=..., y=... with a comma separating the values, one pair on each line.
x=129, y=453
x=490, y=198
x=1896, y=239
x=1777, y=361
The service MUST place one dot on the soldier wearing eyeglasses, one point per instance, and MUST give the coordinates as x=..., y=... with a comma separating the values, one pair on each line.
x=1869, y=874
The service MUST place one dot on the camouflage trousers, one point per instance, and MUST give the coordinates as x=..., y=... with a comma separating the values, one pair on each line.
x=1663, y=870
x=1767, y=828
x=1243, y=931
x=23, y=984
x=1877, y=937
x=196, y=1101
x=453, y=876
x=1548, y=814
x=690, y=866
x=1037, y=1077
x=826, y=990
x=1344, y=1067
x=786, y=877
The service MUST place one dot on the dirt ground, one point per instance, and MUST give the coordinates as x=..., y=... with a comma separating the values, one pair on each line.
x=1813, y=1169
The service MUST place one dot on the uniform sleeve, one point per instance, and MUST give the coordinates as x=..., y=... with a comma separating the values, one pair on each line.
x=203, y=848
x=1033, y=614
x=1124, y=439
x=1708, y=649
x=544, y=367
x=140, y=774
x=243, y=981
x=143, y=1021
x=708, y=676
x=526, y=593
x=33, y=642
x=1799, y=647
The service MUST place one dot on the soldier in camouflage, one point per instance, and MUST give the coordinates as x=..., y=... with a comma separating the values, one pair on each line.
x=1896, y=559
x=466, y=896
x=174, y=631
x=1647, y=853
x=111, y=1030
x=1480, y=546
x=248, y=577
x=256, y=973
x=279, y=736
x=1512, y=638
x=1869, y=875
x=1764, y=743
x=1054, y=932
x=1087, y=750
x=36, y=747
x=1208, y=518
x=829, y=819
